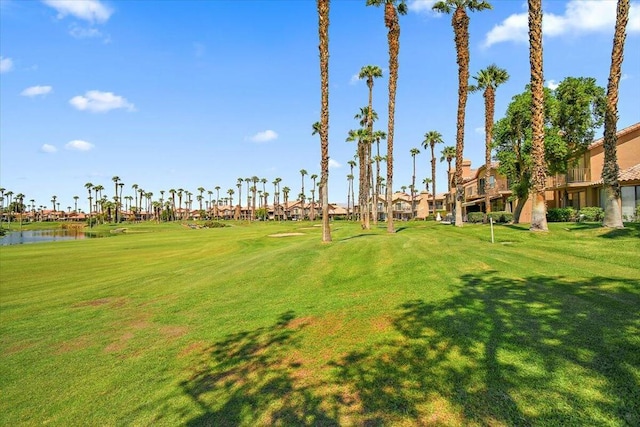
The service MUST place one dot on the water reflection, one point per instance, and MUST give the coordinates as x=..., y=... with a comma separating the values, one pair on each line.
x=38, y=236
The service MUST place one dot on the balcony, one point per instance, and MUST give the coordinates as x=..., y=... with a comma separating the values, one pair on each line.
x=573, y=176
x=478, y=191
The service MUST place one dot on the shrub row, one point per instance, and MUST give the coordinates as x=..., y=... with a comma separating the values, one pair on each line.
x=498, y=217
x=589, y=214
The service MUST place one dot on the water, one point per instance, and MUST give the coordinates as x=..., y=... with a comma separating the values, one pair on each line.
x=39, y=236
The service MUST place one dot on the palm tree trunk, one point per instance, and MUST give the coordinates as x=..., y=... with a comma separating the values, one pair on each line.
x=393, y=38
x=489, y=107
x=539, y=208
x=433, y=181
x=460, y=22
x=610, y=170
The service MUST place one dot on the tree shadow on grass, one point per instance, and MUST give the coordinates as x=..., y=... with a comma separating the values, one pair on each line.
x=535, y=351
x=630, y=229
x=249, y=378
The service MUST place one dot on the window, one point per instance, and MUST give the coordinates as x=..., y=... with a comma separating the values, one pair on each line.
x=630, y=199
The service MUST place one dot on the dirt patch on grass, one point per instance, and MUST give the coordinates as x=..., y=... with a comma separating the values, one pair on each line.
x=286, y=234
x=196, y=347
x=76, y=344
x=173, y=331
x=120, y=344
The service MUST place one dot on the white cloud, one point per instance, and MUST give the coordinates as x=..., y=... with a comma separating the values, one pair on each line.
x=100, y=102
x=423, y=6
x=264, y=136
x=625, y=76
x=354, y=79
x=580, y=17
x=479, y=130
x=78, y=145
x=48, y=148
x=79, y=32
x=6, y=64
x=36, y=91
x=552, y=84
x=334, y=164
x=87, y=10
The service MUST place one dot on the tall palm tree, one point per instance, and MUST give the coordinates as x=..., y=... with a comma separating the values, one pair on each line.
x=392, y=23
x=432, y=138
x=89, y=187
x=285, y=193
x=414, y=152
x=254, y=189
x=302, y=174
x=200, y=196
x=115, y=180
x=352, y=164
x=460, y=24
x=323, y=46
x=313, y=196
x=349, y=191
x=448, y=153
x=135, y=187
x=362, y=136
x=488, y=80
x=75, y=202
x=368, y=72
x=539, y=207
x=377, y=136
x=230, y=192
x=238, y=210
x=53, y=200
x=610, y=169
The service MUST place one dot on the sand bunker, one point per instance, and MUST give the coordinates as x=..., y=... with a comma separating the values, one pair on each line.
x=286, y=234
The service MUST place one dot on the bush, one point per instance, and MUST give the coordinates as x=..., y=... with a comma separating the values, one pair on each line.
x=213, y=224
x=591, y=214
x=475, y=217
x=501, y=217
x=561, y=215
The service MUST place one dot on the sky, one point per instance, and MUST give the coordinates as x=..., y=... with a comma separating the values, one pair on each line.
x=188, y=94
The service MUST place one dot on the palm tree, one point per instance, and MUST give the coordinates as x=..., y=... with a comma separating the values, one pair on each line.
x=53, y=200
x=89, y=187
x=349, y=192
x=248, y=182
x=302, y=174
x=448, y=153
x=539, y=207
x=610, y=169
x=230, y=192
x=135, y=187
x=369, y=72
x=323, y=46
x=377, y=136
x=115, y=180
x=254, y=189
x=432, y=138
x=488, y=80
x=426, y=183
x=391, y=12
x=414, y=152
x=352, y=164
x=460, y=24
x=362, y=136
x=313, y=197
x=285, y=192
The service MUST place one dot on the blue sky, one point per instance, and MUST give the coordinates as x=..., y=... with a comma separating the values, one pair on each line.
x=188, y=94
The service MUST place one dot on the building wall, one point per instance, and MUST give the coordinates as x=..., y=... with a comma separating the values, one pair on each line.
x=628, y=153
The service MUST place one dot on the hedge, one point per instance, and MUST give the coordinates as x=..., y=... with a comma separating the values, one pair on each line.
x=591, y=214
x=501, y=217
x=561, y=215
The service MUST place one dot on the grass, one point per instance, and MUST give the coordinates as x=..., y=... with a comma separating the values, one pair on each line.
x=433, y=325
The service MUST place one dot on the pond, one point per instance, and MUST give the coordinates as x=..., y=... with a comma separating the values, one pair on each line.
x=38, y=236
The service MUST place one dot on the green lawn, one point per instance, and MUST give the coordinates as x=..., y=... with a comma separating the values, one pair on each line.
x=433, y=325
